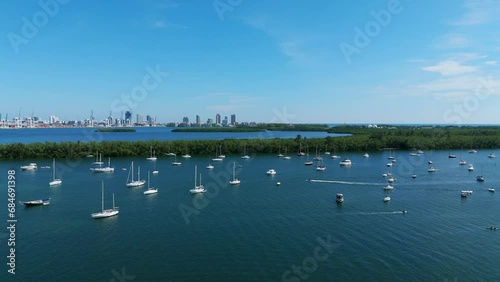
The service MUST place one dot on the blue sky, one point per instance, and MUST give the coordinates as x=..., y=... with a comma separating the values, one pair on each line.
x=360, y=61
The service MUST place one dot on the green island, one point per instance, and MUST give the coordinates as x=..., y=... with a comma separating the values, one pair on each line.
x=107, y=129
x=363, y=139
x=257, y=128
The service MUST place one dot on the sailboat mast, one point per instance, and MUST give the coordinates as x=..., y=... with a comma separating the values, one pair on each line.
x=113, y=200
x=195, y=172
x=53, y=168
x=102, y=196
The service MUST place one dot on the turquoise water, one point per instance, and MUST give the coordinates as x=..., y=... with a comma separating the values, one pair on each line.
x=258, y=231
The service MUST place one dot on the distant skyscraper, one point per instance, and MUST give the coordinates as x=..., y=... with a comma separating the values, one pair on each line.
x=140, y=119
x=128, y=117
x=217, y=119
x=233, y=119
x=210, y=121
x=225, y=121
x=185, y=119
x=198, y=121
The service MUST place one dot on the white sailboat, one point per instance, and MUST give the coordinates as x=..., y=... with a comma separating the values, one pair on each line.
x=217, y=158
x=132, y=182
x=235, y=181
x=105, y=213
x=55, y=181
x=175, y=162
x=245, y=156
x=152, y=155
x=98, y=160
x=286, y=157
x=279, y=155
x=150, y=190
x=154, y=169
x=197, y=189
x=104, y=169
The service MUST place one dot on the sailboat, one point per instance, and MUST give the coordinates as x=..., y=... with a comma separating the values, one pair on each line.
x=209, y=166
x=55, y=181
x=300, y=153
x=175, y=162
x=308, y=162
x=98, y=160
x=286, y=157
x=197, y=189
x=235, y=181
x=217, y=157
x=326, y=150
x=105, y=213
x=150, y=190
x=414, y=175
x=279, y=155
x=152, y=156
x=245, y=156
x=104, y=169
x=154, y=169
x=169, y=152
x=132, y=182
x=320, y=166
x=186, y=155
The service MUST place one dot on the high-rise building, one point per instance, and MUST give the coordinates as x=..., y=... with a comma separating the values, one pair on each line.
x=225, y=121
x=233, y=119
x=217, y=119
x=140, y=119
x=198, y=121
x=210, y=121
x=185, y=120
x=128, y=117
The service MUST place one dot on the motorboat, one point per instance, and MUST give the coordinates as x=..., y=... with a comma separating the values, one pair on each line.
x=471, y=167
x=387, y=199
x=472, y=151
x=480, y=178
x=388, y=187
x=462, y=162
x=339, y=198
x=271, y=172
x=366, y=155
x=491, y=189
x=345, y=162
x=40, y=202
x=31, y=166
x=492, y=155
x=432, y=169
x=390, y=164
x=465, y=193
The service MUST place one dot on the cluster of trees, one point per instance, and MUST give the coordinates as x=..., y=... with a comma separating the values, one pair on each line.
x=362, y=139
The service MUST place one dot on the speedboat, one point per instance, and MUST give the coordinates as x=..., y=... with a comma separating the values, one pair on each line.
x=31, y=166
x=480, y=178
x=465, y=193
x=388, y=187
x=339, y=198
x=345, y=162
x=491, y=189
x=471, y=167
x=492, y=155
x=387, y=199
x=366, y=155
x=271, y=172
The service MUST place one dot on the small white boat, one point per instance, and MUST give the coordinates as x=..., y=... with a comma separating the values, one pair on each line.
x=391, y=179
x=321, y=167
x=492, y=155
x=345, y=162
x=287, y=157
x=235, y=180
x=186, y=156
x=480, y=178
x=420, y=152
x=432, y=169
x=150, y=190
x=465, y=193
x=387, y=199
x=105, y=213
x=278, y=183
x=308, y=163
x=462, y=162
x=339, y=198
x=471, y=167
x=209, y=166
x=31, y=166
x=388, y=187
x=335, y=157
x=413, y=176
x=366, y=155
x=389, y=164
x=271, y=172
x=491, y=189
x=384, y=175
x=175, y=162
x=472, y=151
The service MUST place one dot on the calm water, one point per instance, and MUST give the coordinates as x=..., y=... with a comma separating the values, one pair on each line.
x=142, y=133
x=258, y=231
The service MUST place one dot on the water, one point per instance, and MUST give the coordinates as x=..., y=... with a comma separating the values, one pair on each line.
x=30, y=135
x=258, y=231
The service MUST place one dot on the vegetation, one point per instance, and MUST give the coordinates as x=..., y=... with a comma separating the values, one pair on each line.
x=363, y=139
x=217, y=129
x=257, y=128
x=115, y=130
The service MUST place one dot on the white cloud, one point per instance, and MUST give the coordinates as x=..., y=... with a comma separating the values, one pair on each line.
x=478, y=12
x=450, y=67
x=491, y=63
x=453, y=40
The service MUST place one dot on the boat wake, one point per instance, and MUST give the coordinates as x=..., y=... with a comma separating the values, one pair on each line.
x=343, y=182
x=377, y=213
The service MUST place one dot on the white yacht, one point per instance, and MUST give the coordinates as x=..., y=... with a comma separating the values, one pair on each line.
x=103, y=169
x=388, y=187
x=387, y=199
x=105, y=213
x=271, y=172
x=471, y=167
x=31, y=166
x=345, y=162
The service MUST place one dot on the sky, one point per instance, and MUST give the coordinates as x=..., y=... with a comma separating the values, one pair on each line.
x=319, y=61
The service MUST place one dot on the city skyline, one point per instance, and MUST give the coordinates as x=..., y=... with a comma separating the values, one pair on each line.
x=269, y=61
